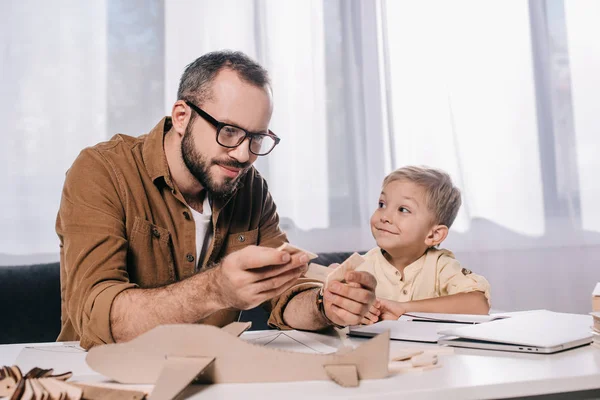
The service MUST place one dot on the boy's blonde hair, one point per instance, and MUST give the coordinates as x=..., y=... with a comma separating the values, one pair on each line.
x=442, y=197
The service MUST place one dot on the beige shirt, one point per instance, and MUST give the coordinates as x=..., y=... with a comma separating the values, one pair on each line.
x=437, y=273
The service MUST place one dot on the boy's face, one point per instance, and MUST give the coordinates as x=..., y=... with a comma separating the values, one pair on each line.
x=402, y=220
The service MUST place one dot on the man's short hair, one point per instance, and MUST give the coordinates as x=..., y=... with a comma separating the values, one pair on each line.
x=442, y=197
x=196, y=82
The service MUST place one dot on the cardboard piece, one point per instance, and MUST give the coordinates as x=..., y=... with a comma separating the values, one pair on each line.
x=59, y=389
x=36, y=384
x=40, y=384
x=317, y=272
x=237, y=328
x=404, y=354
x=290, y=248
x=339, y=273
x=343, y=375
x=177, y=374
x=596, y=321
x=37, y=389
x=424, y=360
x=153, y=354
x=98, y=391
x=7, y=386
x=596, y=298
x=413, y=360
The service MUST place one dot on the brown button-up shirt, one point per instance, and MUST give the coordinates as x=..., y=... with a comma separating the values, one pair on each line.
x=123, y=223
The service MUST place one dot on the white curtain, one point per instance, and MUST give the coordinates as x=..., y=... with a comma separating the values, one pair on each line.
x=287, y=38
x=463, y=100
x=52, y=105
x=582, y=18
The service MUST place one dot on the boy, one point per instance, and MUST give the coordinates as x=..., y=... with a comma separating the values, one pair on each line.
x=416, y=208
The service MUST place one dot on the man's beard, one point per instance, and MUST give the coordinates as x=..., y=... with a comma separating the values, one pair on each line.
x=200, y=168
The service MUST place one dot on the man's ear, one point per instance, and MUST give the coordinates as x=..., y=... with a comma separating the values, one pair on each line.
x=436, y=235
x=180, y=116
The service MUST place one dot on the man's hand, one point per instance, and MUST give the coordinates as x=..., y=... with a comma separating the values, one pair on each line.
x=253, y=275
x=348, y=303
x=372, y=316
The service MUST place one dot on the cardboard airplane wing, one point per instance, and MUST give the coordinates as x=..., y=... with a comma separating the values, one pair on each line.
x=172, y=356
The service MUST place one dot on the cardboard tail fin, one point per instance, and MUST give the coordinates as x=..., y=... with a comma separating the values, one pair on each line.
x=177, y=374
x=344, y=375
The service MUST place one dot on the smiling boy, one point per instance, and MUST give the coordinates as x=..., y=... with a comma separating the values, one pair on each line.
x=417, y=206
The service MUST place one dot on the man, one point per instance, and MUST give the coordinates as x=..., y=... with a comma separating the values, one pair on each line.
x=177, y=226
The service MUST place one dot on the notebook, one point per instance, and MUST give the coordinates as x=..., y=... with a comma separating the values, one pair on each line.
x=402, y=330
x=453, y=318
x=535, y=332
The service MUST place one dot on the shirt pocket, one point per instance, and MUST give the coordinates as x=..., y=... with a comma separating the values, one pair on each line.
x=239, y=240
x=150, y=255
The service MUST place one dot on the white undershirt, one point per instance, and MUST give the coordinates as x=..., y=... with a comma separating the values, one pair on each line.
x=203, y=233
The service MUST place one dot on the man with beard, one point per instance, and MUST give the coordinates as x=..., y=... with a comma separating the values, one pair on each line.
x=176, y=226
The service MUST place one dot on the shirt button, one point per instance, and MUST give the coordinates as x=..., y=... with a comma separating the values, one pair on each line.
x=397, y=272
x=405, y=291
x=155, y=232
x=186, y=215
x=190, y=257
x=241, y=238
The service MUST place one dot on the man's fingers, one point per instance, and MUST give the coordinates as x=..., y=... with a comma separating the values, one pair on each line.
x=269, y=294
x=276, y=282
x=343, y=317
x=360, y=295
x=372, y=317
x=365, y=279
x=267, y=262
x=253, y=257
x=347, y=304
x=270, y=271
x=374, y=310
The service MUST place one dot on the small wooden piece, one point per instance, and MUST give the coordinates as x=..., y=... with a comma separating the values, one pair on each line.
x=290, y=248
x=339, y=273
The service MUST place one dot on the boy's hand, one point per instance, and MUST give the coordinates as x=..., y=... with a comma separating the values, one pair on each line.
x=390, y=309
x=348, y=303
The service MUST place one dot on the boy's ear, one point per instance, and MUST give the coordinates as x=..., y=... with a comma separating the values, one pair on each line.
x=436, y=235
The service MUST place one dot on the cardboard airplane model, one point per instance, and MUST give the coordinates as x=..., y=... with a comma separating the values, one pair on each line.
x=172, y=356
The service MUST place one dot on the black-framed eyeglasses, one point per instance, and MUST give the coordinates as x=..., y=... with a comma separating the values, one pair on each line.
x=232, y=136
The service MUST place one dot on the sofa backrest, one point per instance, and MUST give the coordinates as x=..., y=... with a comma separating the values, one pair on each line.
x=30, y=303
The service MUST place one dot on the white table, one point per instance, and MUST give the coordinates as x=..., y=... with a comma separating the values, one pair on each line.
x=466, y=374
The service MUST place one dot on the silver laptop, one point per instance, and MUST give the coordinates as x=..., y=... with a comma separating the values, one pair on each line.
x=535, y=332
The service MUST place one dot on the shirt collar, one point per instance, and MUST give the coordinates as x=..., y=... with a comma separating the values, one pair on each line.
x=153, y=152
x=409, y=271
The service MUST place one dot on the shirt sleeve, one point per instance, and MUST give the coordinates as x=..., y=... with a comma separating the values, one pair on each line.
x=91, y=228
x=453, y=279
x=278, y=304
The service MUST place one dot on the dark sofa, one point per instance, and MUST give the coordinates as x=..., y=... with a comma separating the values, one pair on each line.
x=30, y=301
